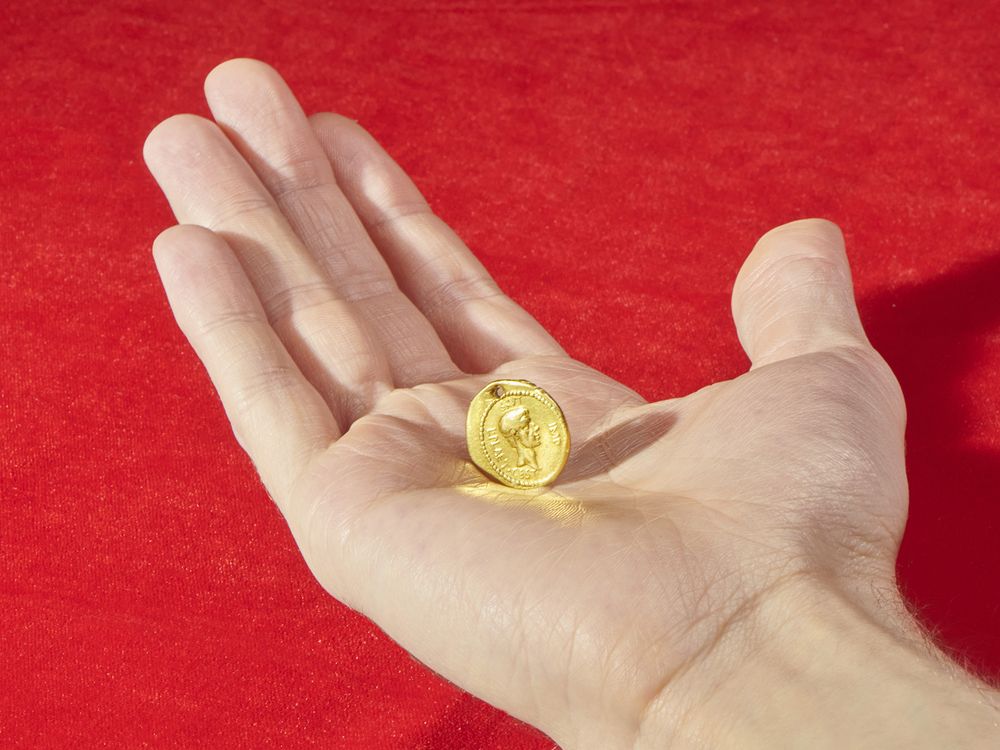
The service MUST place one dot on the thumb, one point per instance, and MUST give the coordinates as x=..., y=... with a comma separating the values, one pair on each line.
x=794, y=294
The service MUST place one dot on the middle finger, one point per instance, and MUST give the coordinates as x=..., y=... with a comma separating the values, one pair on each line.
x=262, y=118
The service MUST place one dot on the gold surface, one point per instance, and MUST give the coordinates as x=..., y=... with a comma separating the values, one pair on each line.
x=517, y=434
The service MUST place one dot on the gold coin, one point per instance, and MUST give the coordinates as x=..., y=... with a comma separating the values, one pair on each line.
x=517, y=434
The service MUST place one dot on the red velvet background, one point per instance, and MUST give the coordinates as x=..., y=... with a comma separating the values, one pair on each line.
x=611, y=163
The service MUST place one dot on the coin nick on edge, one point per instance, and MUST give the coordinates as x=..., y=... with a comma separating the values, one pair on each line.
x=517, y=434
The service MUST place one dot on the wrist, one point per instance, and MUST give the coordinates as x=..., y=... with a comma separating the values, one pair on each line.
x=815, y=667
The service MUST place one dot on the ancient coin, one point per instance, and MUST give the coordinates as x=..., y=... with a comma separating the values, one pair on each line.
x=517, y=434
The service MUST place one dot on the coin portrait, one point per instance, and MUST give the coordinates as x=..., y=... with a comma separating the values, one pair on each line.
x=517, y=434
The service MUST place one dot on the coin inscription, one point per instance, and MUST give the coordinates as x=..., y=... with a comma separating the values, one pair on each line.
x=517, y=434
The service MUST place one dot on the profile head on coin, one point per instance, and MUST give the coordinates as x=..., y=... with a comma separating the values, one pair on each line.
x=516, y=434
x=516, y=426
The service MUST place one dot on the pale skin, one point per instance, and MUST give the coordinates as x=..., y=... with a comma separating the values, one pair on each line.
x=715, y=570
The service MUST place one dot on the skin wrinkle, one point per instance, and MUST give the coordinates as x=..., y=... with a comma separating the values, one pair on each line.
x=389, y=196
x=390, y=213
x=282, y=302
x=227, y=187
x=329, y=231
x=766, y=281
x=433, y=264
x=569, y=671
x=520, y=653
x=380, y=286
x=324, y=498
x=329, y=322
x=410, y=396
x=353, y=282
x=794, y=317
x=297, y=297
x=309, y=327
x=388, y=244
x=259, y=111
x=541, y=691
x=429, y=363
x=267, y=381
x=440, y=244
x=204, y=150
x=724, y=632
x=266, y=272
x=782, y=272
x=239, y=351
x=796, y=324
x=409, y=348
x=378, y=283
x=397, y=322
x=239, y=213
x=702, y=611
x=436, y=279
x=454, y=292
x=392, y=216
x=294, y=175
x=627, y=663
x=344, y=147
x=347, y=393
x=227, y=320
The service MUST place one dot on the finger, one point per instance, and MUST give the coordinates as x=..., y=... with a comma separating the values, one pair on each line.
x=278, y=417
x=794, y=294
x=479, y=324
x=261, y=116
x=209, y=184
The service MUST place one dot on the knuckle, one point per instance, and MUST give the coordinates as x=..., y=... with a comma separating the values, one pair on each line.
x=285, y=301
x=368, y=285
x=396, y=210
x=237, y=209
x=452, y=292
x=258, y=385
x=298, y=174
x=227, y=321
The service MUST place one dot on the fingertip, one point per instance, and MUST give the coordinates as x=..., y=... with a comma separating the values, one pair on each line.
x=183, y=252
x=817, y=236
x=814, y=225
x=238, y=70
x=181, y=235
x=333, y=126
x=322, y=119
x=794, y=292
x=155, y=139
x=171, y=138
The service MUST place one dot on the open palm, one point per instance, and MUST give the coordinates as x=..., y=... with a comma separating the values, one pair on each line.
x=346, y=329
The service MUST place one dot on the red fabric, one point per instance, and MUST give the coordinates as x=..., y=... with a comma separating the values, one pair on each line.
x=611, y=164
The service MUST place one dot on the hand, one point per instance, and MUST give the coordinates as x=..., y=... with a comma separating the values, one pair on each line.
x=346, y=329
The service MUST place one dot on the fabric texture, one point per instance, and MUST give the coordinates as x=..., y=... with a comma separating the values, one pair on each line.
x=611, y=163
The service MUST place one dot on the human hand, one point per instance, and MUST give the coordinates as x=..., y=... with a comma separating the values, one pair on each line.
x=346, y=329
